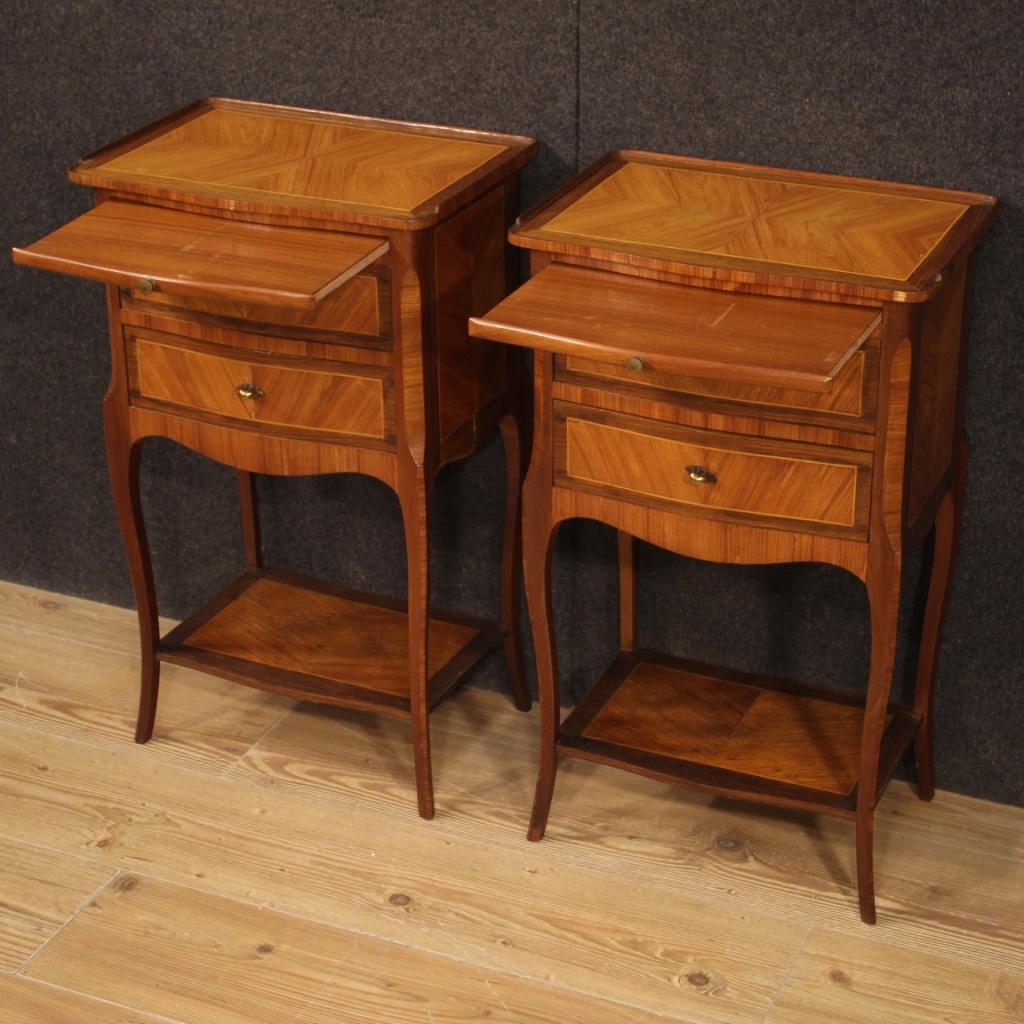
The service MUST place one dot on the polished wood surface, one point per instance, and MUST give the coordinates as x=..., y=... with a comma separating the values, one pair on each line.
x=693, y=718
x=354, y=307
x=331, y=645
x=287, y=826
x=260, y=156
x=666, y=328
x=809, y=485
x=188, y=254
x=170, y=370
x=287, y=294
x=737, y=222
x=717, y=461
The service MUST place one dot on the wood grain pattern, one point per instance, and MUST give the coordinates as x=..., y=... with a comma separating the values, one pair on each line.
x=41, y=890
x=801, y=740
x=810, y=485
x=32, y=1002
x=789, y=229
x=679, y=330
x=188, y=254
x=847, y=978
x=354, y=307
x=848, y=396
x=256, y=967
x=171, y=370
x=696, y=411
x=650, y=898
x=471, y=279
x=263, y=156
x=277, y=454
x=238, y=639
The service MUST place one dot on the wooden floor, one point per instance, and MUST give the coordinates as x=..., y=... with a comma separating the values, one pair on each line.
x=262, y=863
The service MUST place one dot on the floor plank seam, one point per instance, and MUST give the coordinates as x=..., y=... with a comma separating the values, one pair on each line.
x=224, y=772
x=157, y=1018
x=586, y=859
x=82, y=904
x=358, y=933
x=789, y=974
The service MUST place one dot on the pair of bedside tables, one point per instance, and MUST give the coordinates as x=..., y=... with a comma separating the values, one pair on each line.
x=737, y=364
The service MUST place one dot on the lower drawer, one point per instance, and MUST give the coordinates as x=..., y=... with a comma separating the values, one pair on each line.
x=264, y=391
x=714, y=474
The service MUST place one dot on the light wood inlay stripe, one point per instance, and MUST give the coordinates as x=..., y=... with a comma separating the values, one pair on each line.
x=769, y=485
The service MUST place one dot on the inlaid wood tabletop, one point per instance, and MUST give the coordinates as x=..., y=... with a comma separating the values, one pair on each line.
x=652, y=209
x=271, y=155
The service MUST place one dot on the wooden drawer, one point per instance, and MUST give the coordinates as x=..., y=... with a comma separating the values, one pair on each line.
x=851, y=403
x=747, y=478
x=358, y=311
x=269, y=392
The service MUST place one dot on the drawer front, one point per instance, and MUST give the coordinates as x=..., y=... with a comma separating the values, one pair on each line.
x=718, y=475
x=258, y=390
x=360, y=308
x=853, y=394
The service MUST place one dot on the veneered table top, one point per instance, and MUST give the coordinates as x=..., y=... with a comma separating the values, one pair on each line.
x=252, y=154
x=677, y=212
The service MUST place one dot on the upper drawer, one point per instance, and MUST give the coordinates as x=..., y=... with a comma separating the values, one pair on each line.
x=187, y=254
x=661, y=328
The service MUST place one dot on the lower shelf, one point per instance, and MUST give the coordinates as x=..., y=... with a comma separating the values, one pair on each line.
x=313, y=641
x=731, y=733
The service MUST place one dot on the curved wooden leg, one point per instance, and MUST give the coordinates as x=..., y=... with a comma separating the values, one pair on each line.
x=538, y=539
x=883, y=584
x=946, y=532
x=511, y=428
x=413, y=494
x=251, y=543
x=627, y=591
x=123, y=458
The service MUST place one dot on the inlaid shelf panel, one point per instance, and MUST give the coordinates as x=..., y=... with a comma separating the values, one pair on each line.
x=314, y=641
x=743, y=735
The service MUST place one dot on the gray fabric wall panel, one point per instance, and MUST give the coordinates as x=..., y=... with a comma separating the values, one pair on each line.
x=911, y=92
x=930, y=94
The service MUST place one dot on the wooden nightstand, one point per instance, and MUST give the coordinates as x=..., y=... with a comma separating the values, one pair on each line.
x=288, y=292
x=743, y=364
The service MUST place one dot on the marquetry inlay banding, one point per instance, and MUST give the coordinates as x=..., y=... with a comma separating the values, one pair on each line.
x=239, y=152
x=687, y=212
x=312, y=400
x=655, y=467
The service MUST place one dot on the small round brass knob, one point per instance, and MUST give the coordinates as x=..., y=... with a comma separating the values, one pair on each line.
x=634, y=364
x=146, y=285
x=249, y=391
x=701, y=475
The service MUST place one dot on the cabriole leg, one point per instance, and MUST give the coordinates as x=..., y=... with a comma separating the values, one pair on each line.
x=123, y=459
x=514, y=437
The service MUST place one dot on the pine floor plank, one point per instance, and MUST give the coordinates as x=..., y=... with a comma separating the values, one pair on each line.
x=210, y=960
x=39, y=891
x=32, y=1002
x=645, y=902
x=77, y=690
x=515, y=908
x=855, y=980
x=779, y=862
x=65, y=617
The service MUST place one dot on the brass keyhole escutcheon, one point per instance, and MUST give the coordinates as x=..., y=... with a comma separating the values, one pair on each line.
x=701, y=475
x=146, y=285
x=249, y=391
x=634, y=364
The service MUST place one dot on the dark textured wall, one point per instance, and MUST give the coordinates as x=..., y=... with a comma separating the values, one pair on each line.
x=927, y=93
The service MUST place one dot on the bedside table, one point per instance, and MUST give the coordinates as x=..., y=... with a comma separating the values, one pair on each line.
x=746, y=365
x=288, y=292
